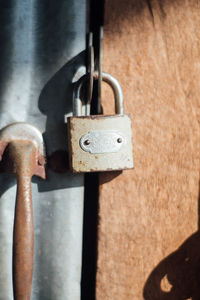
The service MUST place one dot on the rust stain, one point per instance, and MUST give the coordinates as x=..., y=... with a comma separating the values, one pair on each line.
x=96, y=117
x=82, y=163
x=58, y=161
x=70, y=124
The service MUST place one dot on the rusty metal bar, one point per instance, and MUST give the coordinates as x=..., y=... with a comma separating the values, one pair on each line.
x=23, y=156
x=23, y=147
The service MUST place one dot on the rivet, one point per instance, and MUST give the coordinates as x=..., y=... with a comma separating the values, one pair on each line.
x=119, y=140
x=86, y=142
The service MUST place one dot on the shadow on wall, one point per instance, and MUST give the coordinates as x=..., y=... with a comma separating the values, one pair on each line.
x=177, y=277
x=124, y=12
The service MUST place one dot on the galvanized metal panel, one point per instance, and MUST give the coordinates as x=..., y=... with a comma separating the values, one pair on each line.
x=42, y=44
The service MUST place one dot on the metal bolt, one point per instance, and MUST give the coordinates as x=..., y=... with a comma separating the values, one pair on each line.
x=119, y=140
x=86, y=142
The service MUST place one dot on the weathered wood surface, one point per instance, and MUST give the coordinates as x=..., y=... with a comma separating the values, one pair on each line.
x=148, y=240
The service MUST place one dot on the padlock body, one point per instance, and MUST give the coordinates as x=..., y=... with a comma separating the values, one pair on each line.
x=100, y=143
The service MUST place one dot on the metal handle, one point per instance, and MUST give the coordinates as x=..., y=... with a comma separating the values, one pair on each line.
x=23, y=156
x=23, y=144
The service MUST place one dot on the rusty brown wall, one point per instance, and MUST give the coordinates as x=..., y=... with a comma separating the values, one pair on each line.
x=149, y=243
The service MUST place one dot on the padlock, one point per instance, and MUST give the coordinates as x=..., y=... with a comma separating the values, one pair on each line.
x=100, y=142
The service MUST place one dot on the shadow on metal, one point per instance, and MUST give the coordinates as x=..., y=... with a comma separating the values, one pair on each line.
x=54, y=103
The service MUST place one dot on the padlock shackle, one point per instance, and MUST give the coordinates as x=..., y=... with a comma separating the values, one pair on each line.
x=117, y=90
x=113, y=83
x=77, y=103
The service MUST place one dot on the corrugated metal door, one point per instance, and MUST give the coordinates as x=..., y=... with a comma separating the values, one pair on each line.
x=42, y=47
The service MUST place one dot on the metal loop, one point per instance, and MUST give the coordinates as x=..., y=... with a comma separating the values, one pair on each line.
x=90, y=72
x=77, y=103
x=117, y=90
x=99, y=69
